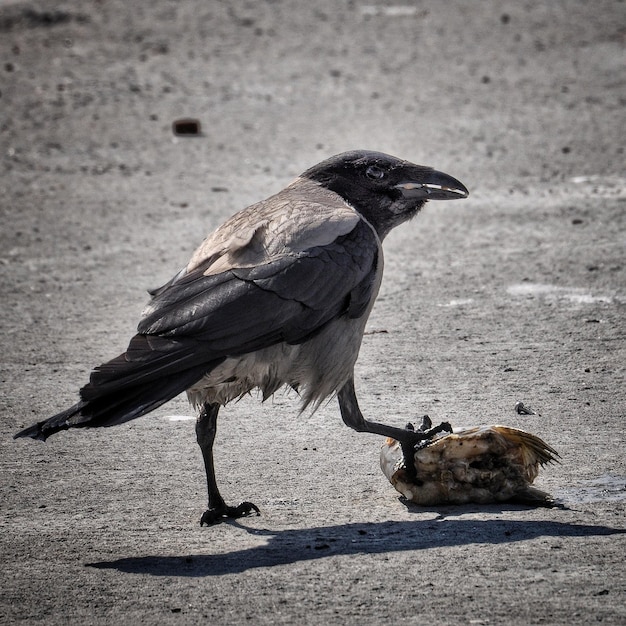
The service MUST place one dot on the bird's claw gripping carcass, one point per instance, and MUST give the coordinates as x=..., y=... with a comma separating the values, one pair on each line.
x=484, y=464
x=420, y=438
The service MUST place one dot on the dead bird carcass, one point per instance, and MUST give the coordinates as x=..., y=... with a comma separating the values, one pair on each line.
x=484, y=464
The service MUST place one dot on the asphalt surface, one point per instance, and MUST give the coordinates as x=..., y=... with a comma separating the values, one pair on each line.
x=515, y=294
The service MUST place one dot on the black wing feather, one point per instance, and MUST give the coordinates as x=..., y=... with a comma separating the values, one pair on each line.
x=286, y=299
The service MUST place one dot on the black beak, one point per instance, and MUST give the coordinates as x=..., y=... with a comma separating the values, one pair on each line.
x=433, y=185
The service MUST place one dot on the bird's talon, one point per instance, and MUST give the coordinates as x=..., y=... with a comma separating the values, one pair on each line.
x=210, y=517
x=244, y=509
x=219, y=514
x=426, y=424
x=423, y=437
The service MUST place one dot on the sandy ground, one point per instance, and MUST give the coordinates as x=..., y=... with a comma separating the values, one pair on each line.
x=517, y=293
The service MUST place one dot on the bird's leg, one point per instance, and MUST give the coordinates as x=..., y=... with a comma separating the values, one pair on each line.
x=206, y=429
x=408, y=437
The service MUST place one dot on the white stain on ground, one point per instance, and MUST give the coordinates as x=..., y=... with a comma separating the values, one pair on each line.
x=179, y=418
x=616, y=180
x=606, y=488
x=575, y=295
x=389, y=11
x=609, y=186
x=460, y=302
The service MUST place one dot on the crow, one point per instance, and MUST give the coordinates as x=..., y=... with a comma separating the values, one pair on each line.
x=277, y=295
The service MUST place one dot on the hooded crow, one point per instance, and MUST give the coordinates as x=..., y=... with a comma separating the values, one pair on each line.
x=278, y=295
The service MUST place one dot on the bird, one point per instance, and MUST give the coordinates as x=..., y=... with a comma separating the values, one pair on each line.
x=278, y=295
x=481, y=464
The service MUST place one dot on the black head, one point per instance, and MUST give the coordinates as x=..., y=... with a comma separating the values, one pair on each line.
x=385, y=190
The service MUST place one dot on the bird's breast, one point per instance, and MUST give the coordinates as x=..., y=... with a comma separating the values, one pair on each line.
x=316, y=368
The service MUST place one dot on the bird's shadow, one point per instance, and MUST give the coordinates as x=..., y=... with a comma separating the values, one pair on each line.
x=285, y=547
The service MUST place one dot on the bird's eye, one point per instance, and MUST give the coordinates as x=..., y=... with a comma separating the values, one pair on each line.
x=374, y=172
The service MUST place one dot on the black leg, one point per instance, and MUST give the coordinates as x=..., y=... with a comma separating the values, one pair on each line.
x=206, y=429
x=408, y=437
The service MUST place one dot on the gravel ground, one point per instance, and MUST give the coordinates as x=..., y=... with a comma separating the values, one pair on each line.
x=517, y=293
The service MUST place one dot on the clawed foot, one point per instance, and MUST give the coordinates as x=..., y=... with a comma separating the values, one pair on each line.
x=419, y=438
x=217, y=515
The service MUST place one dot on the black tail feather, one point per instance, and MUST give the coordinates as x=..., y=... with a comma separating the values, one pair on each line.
x=42, y=430
x=148, y=358
x=114, y=408
x=127, y=404
x=152, y=371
